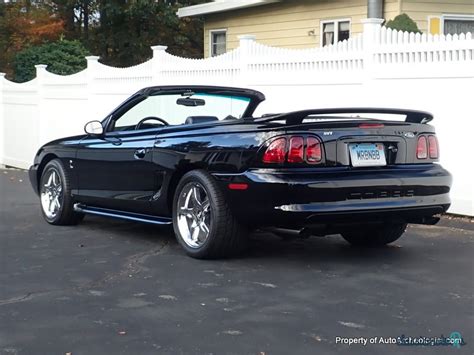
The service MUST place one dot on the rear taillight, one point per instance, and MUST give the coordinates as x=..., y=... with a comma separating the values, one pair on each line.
x=313, y=150
x=276, y=152
x=422, y=148
x=433, y=147
x=294, y=150
x=427, y=147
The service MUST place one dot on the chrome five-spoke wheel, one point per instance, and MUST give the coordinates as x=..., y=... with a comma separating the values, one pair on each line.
x=194, y=214
x=202, y=221
x=56, y=199
x=51, y=194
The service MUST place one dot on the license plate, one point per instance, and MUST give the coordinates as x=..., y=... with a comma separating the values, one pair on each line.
x=367, y=154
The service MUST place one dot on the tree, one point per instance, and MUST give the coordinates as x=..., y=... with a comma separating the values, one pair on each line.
x=119, y=31
x=24, y=24
x=403, y=22
x=78, y=16
x=62, y=57
x=127, y=29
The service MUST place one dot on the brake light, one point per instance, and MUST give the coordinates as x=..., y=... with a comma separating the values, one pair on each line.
x=371, y=125
x=295, y=153
x=433, y=147
x=313, y=150
x=275, y=152
x=422, y=148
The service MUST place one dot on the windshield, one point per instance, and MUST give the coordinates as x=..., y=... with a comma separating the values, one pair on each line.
x=186, y=108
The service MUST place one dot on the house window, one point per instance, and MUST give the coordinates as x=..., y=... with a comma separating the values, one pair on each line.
x=334, y=31
x=218, y=40
x=457, y=24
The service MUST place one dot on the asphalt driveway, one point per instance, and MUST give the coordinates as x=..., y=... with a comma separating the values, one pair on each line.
x=114, y=287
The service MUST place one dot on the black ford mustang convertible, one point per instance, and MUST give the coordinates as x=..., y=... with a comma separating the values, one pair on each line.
x=197, y=158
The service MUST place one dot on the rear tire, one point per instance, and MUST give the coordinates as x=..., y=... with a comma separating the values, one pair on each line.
x=55, y=195
x=202, y=220
x=375, y=235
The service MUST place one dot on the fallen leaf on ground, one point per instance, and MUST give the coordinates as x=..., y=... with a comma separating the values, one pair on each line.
x=265, y=284
x=168, y=297
x=232, y=332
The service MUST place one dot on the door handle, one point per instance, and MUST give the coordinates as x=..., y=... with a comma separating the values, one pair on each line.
x=140, y=153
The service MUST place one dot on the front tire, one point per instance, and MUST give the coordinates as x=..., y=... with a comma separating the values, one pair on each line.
x=55, y=195
x=202, y=220
x=375, y=235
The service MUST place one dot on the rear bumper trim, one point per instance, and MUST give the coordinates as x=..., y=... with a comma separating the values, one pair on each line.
x=280, y=197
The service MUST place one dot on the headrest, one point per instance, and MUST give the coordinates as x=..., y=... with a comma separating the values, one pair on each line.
x=200, y=119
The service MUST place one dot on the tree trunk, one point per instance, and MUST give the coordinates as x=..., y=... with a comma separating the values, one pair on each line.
x=86, y=19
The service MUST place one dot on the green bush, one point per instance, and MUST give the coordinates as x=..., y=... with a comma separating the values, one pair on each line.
x=62, y=57
x=403, y=22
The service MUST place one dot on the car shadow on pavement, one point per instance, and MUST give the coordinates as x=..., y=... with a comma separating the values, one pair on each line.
x=331, y=249
x=261, y=245
x=126, y=229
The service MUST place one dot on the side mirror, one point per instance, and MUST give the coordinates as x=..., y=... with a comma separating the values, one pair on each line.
x=94, y=128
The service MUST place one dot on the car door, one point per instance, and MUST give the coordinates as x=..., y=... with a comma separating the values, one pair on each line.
x=116, y=170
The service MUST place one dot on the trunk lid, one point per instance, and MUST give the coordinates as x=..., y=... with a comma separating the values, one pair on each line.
x=398, y=139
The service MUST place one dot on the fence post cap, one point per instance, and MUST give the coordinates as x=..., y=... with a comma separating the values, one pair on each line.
x=376, y=21
x=92, y=57
x=159, y=48
x=41, y=66
x=247, y=37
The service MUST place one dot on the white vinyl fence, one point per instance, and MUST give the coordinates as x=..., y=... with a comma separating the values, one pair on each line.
x=381, y=67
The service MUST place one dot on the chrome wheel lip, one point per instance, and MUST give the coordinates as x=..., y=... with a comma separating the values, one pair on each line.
x=193, y=215
x=51, y=194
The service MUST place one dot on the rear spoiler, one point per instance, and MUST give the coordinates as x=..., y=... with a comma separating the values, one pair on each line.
x=297, y=117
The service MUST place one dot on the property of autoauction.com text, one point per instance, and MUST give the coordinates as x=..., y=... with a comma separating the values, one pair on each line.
x=454, y=339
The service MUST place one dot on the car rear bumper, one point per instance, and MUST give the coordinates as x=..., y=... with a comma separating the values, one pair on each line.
x=287, y=198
